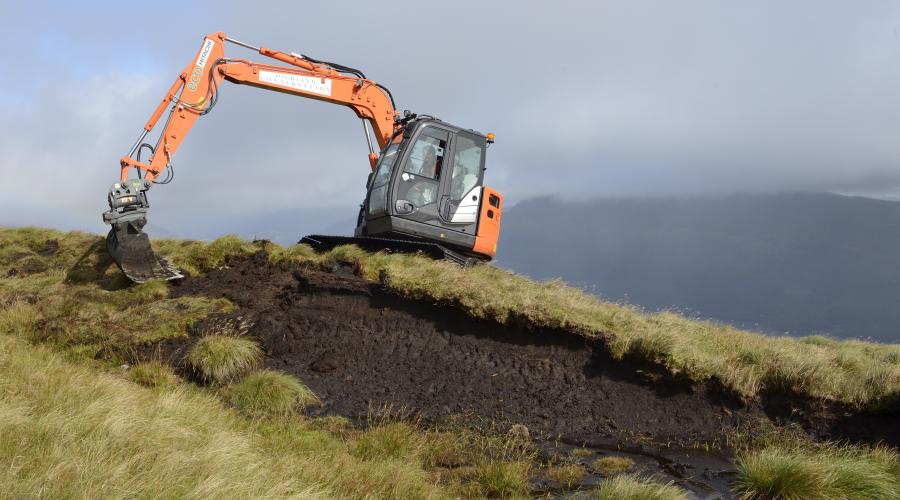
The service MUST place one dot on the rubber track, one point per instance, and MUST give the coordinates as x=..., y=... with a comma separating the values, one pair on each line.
x=438, y=252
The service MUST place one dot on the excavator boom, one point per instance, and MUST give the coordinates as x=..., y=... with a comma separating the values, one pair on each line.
x=193, y=94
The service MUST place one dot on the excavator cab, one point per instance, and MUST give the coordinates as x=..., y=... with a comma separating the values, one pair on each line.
x=427, y=194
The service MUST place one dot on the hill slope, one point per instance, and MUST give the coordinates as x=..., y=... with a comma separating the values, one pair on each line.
x=799, y=263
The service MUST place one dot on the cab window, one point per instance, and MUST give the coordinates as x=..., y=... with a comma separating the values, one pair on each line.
x=383, y=173
x=467, y=162
x=378, y=191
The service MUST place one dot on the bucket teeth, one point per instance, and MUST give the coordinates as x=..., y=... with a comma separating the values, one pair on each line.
x=130, y=248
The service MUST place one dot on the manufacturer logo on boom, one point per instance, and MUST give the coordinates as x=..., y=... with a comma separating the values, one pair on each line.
x=197, y=72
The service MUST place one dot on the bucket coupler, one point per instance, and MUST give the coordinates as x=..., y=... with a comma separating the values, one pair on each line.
x=127, y=243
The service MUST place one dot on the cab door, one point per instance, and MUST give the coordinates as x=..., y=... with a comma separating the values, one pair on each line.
x=419, y=184
x=461, y=188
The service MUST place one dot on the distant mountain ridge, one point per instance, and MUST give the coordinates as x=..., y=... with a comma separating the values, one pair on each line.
x=798, y=263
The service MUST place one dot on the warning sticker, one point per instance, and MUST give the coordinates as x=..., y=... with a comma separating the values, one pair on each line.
x=315, y=85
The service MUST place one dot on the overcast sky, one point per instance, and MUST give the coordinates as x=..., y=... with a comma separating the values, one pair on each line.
x=586, y=98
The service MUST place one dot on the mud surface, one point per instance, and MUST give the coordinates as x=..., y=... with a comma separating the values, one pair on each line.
x=358, y=347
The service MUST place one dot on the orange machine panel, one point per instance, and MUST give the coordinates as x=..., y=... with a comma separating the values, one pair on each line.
x=489, y=222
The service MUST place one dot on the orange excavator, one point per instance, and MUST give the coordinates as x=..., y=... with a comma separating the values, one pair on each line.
x=424, y=193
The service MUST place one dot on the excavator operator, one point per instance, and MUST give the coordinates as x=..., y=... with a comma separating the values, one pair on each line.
x=429, y=166
x=424, y=191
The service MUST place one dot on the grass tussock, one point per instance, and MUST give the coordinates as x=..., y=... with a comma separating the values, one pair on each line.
x=819, y=471
x=612, y=465
x=152, y=374
x=568, y=475
x=221, y=358
x=581, y=453
x=628, y=487
x=496, y=480
x=268, y=393
x=392, y=440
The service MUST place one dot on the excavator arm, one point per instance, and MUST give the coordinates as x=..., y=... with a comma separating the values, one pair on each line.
x=194, y=94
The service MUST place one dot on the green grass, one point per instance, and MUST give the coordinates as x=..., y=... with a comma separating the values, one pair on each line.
x=152, y=374
x=69, y=431
x=498, y=463
x=197, y=257
x=819, y=471
x=221, y=358
x=627, y=487
x=267, y=393
x=73, y=423
x=334, y=424
x=81, y=302
x=612, y=465
x=68, y=319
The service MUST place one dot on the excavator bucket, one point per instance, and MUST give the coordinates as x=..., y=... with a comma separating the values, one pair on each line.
x=127, y=243
x=129, y=246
